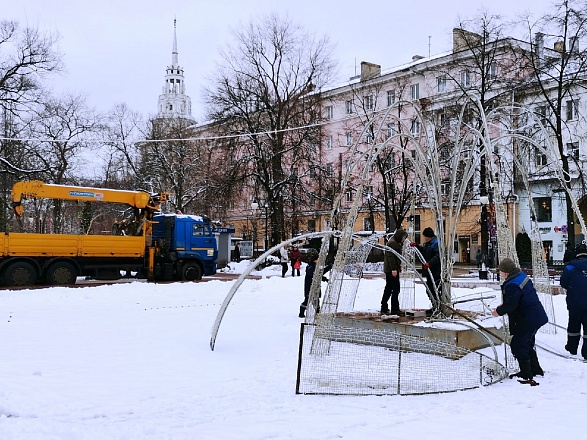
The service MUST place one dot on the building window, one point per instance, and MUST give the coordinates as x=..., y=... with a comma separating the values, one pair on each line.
x=441, y=84
x=329, y=112
x=543, y=208
x=415, y=91
x=348, y=196
x=541, y=112
x=349, y=138
x=492, y=71
x=572, y=110
x=367, y=224
x=465, y=78
x=313, y=172
x=390, y=97
x=540, y=158
x=368, y=137
x=368, y=102
x=441, y=118
x=349, y=107
x=573, y=150
x=311, y=225
x=391, y=130
x=329, y=169
x=329, y=142
x=415, y=128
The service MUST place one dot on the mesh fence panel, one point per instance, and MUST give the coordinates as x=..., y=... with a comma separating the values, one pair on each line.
x=338, y=360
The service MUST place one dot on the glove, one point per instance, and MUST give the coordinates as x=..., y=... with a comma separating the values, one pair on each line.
x=413, y=244
x=426, y=266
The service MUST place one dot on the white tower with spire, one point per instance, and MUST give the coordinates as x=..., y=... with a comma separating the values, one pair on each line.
x=173, y=102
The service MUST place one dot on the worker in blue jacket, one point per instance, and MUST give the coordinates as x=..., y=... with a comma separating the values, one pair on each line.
x=574, y=280
x=310, y=269
x=526, y=315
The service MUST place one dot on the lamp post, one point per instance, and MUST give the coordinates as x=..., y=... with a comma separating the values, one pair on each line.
x=254, y=207
x=266, y=207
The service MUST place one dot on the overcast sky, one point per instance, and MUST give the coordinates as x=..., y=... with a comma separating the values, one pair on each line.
x=117, y=51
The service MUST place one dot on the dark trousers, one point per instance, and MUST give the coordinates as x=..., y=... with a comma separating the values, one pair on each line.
x=392, y=286
x=435, y=289
x=522, y=345
x=283, y=269
x=293, y=270
x=577, y=319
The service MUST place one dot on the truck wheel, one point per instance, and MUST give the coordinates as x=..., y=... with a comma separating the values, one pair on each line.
x=61, y=273
x=191, y=272
x=20, y=274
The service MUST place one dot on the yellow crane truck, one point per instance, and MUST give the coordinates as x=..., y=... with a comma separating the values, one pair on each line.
x=156, y=246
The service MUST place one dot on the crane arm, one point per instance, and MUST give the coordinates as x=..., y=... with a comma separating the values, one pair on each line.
x=37, y=190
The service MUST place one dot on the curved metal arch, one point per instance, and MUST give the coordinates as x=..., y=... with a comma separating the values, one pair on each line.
x=252, y=267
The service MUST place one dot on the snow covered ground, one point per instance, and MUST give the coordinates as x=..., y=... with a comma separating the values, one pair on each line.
x=132, y=361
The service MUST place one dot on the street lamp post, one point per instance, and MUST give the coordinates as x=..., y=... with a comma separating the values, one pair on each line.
x=254, y=207
x=266, y=207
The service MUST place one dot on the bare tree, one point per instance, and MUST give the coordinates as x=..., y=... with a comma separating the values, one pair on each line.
x=266, y=86
x=26, y=56
x=63, y=129
x=558, y=80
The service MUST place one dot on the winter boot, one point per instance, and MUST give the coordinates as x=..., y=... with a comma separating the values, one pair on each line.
x=535, y=365
x=572, y=344
x=384, y=309
x=525, y=370
x=302, y=312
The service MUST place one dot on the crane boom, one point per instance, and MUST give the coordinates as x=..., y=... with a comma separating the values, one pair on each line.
x=37, y=189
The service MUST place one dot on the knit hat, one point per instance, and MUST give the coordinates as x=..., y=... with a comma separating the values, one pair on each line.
x=399, y=234
x=581, y=251
x=428, y=232
x=507, y=265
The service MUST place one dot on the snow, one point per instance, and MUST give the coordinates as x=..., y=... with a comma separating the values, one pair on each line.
x=132, y=361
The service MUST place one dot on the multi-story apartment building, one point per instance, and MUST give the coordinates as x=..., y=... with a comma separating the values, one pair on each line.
x=433, y=101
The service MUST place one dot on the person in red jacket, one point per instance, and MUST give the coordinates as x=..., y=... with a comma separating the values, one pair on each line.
x=295, y=258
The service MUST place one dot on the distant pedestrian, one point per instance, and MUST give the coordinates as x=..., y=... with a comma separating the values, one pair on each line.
x=310, y=270
x=526, y=315
x=295, y=258
x=236, y=256
x=283, y=260
x=392, y=266
x=479, y=258
x=574, y=280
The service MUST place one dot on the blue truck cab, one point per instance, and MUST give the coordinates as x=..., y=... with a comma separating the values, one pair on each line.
x=186, y=246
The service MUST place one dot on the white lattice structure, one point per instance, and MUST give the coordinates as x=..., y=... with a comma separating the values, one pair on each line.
x=338, y=359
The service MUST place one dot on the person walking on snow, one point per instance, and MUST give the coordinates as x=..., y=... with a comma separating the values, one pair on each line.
x=283, y=259
x=310, y=269
x=526, y=315
x=392, y=267
x=295, y=258
x=574, y=280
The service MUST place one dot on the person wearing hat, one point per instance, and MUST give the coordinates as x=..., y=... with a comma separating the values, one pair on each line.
x=431, y=267
x=310, y=269
x=392, y=266
x=526, y=315
x=574, y=280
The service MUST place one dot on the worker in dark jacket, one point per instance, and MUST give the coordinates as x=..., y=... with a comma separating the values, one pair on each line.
x=431, y=268
x=526, y=315
x=574, y=280
x=392, y=266
x=310, y=269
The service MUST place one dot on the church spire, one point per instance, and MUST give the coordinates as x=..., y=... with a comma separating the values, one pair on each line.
x=174, y=61
x=173, y=102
